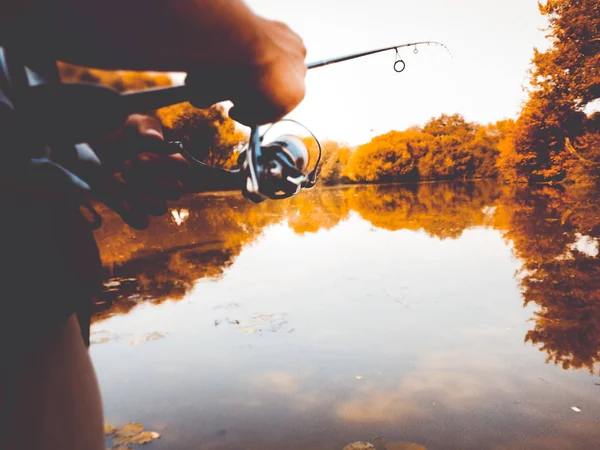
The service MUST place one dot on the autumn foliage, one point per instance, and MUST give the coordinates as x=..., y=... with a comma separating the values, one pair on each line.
x=556, y=138
x=122, y=81
x=209, y=134
x=446, y=148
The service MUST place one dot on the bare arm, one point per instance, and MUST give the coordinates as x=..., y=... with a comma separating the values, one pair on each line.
x=256, y=63
x=172, y=35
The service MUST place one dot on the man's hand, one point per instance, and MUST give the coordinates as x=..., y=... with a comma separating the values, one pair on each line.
x=140, y=180
x=265, y=90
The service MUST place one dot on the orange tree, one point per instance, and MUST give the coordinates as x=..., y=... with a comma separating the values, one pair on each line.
x=564, y=80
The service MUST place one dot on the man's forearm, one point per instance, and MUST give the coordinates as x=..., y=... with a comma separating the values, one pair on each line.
x=173, y=35
x=256, y=63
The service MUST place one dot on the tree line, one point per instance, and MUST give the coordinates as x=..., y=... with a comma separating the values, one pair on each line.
x=555, y=139
x=445, y=148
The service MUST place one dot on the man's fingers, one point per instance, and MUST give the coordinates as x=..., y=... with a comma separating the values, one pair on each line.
x=150, y=165
x=148, y=204
x=116, y=197
x=134, y=203
x=146, y=176
x=163, y=188
x=140, y=133
x=130, y=214
x=145, y=126
x=169, y=189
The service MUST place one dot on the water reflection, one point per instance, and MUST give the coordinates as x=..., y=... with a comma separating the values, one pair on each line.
x=556, y=233
x=441, y=210
x=164, y=262
x=347, y=314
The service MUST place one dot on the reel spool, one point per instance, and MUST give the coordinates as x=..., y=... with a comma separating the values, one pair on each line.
x=276, y=170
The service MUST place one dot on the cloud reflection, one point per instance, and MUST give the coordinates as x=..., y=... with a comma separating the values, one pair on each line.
x=437, y=383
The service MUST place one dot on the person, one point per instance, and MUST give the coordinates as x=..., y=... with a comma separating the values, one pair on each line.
x=49, y=395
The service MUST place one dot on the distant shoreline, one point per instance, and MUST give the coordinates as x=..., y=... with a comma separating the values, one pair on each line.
x=349, y=185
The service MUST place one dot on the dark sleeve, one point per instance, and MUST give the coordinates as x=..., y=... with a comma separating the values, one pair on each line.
x=49, y=266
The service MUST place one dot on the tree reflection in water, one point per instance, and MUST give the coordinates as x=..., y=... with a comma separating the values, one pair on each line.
x=553, y=231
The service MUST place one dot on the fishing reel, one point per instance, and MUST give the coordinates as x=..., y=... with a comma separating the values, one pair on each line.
x=276, y=170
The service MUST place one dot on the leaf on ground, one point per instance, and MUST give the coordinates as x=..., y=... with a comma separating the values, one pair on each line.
x=139, y=439
x=133, y=434
x=109, y=429
x=359, y=446
x=155, y=336
x=131, y=429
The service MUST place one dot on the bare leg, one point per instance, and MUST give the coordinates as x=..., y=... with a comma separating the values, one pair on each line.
x=57, y=403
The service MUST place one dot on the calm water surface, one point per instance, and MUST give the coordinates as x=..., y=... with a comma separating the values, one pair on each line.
x=451, y=316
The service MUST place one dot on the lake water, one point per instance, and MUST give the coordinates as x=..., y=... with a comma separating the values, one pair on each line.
x=453, y=316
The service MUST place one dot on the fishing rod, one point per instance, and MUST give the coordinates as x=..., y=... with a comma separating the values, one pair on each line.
x=80, y=112
x=340, y=59
x=156, y=98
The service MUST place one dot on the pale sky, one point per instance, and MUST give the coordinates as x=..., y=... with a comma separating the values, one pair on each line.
x=491, y=41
